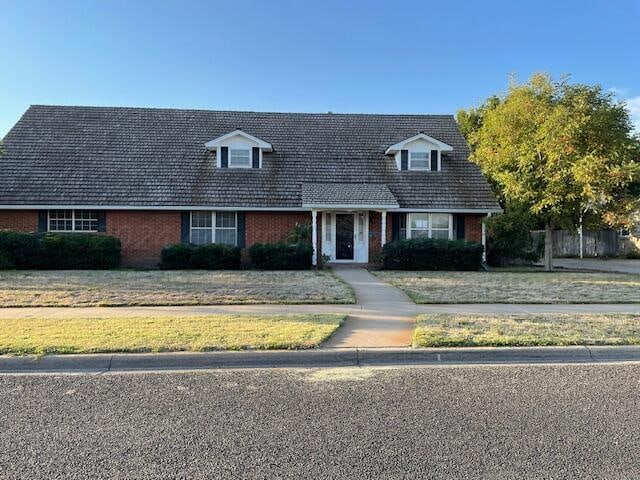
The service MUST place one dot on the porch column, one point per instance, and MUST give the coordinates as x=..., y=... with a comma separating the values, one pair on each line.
x=314, y=237
x=484, y=240
x=383, y=240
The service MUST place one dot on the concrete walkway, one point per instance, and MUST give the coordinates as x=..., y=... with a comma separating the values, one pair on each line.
x=386, y=317
x=619, y=265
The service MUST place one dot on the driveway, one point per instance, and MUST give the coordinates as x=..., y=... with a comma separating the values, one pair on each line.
x=501, y=422
x=597, y=264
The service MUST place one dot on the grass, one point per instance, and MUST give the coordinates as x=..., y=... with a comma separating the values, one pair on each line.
x=515, y=287
x=75, y=288
x=445, y=330
x=40, y=336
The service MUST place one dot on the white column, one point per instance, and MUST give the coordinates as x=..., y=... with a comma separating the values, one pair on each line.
x=314, y=236
x=484, y=240
x=383, y=240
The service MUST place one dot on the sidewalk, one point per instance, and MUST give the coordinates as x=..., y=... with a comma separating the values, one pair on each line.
x=386, y=317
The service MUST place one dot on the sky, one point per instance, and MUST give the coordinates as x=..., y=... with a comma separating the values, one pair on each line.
x=307, y=56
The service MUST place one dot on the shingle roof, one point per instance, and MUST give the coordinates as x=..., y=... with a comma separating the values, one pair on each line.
x=58, y=155
x=348, y=194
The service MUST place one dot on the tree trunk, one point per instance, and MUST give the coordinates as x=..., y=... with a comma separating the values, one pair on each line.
x=548, y=247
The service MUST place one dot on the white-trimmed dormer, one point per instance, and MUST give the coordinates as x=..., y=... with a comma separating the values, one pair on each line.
x=420, y=152
x=238, y=149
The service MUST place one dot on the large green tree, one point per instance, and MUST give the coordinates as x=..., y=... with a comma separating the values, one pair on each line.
x=560, y=149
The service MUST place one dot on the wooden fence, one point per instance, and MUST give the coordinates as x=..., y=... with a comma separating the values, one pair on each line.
x=601, y=243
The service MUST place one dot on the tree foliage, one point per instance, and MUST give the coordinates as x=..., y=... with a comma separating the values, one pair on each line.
x=560, y=149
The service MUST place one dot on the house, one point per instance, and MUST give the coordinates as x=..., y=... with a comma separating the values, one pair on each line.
x=155, y=177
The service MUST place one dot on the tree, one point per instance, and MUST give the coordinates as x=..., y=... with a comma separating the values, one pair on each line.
x=560, y=149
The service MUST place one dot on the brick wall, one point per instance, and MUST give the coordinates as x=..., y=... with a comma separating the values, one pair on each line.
x=473, y=228
x=143, y=234
x=267, y=227
x=375, y=231
x=19, y=220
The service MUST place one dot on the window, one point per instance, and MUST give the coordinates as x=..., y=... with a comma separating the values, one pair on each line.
x=419, y=161
x=226, y=228
x=214, y=227
x=73, y=221
x=360, y=229
x=625, y=233
x=239, y=157
x=429, y=225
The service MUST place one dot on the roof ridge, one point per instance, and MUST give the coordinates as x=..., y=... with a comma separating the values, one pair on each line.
x=270, y=112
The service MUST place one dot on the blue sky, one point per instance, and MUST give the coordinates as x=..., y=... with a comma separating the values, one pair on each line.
x=340, y=56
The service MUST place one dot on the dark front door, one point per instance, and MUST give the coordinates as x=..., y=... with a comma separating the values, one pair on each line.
x=344, y=236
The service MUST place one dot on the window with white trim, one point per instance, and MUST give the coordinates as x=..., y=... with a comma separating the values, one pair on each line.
x=419, y=161
x=239, y=157
x=72, y=221
x=430, y=225
x=214, y=227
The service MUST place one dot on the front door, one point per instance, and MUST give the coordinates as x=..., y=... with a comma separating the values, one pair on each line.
x=344, y=236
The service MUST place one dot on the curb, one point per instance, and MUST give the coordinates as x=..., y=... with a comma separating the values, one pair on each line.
x=347, y=357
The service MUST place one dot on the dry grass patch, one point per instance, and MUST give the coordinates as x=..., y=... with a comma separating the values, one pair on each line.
x=516, y=287
x=72, y=288
x=165, y=334
x=444, y=330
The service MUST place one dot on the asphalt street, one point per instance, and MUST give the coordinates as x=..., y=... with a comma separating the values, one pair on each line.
x=550, y=421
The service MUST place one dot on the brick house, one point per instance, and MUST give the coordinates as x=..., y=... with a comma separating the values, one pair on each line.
x=155, y=177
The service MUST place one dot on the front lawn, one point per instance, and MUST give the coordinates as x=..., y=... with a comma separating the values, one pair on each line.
x=77, y=288
x=515, y=287
x=164, y=334
x=444, y=330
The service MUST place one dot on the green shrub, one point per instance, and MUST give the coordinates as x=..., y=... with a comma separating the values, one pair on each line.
x=509, y=238
x=300, y=233
x=176, y=257
x=215, y=256
x=59, y=251
x=430, y=254
x=280, y=256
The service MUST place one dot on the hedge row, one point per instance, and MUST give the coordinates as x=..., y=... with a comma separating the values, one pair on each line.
x=280, y=256
x=263, y=256
x=429, y=254
x=215, y=256
x=58, y=251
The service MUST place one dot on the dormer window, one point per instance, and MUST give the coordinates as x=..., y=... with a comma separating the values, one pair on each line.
x=239, y=158
x=419, y=161
x=238, y=149
x=420, y=152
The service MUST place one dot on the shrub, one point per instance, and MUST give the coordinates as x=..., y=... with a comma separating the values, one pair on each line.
x=176, y=257
x=280, y=256
x=509, y=238
x=215, y=256
x=430, y=254
x=59, y=251
x=300, y=233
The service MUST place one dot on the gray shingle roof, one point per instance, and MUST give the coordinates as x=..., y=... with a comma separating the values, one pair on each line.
x=156, y=157
x=348, y=194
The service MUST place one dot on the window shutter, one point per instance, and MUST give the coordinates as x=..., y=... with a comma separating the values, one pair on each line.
x=43, y=219
x=404, y=159
x=224, y=157
x=255, y=157
x=241, y=229
x=185, y=227
x=458, y=226
x=102, y=221
x=395, y=226
x=434, y=160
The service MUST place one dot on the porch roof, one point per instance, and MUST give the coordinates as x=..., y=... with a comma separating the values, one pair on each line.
x=348, y=195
